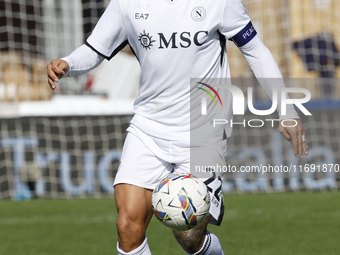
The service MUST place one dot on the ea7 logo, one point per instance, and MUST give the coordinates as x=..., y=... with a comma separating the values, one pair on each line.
x=141, y=15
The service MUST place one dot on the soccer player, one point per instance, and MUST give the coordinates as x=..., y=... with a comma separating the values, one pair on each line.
x=174, y=41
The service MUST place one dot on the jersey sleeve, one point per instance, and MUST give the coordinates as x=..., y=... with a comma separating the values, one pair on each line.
x=234, y=18
x=109, y=36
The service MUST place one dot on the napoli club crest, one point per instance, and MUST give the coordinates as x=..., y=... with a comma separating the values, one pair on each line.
x=198, y=14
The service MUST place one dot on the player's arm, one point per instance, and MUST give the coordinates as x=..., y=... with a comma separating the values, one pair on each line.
x=268, y=74
x=236, y=25
x=79, y=62
x=106, y=40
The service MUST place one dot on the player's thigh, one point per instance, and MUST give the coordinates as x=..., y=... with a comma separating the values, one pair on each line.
x=133, y=205
x=139, y=166
x=138, y=174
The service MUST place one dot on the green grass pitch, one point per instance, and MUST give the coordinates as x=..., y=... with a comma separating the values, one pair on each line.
x=261, y=224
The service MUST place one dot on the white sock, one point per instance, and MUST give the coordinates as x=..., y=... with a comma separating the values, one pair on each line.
x=211, y=246
x=143, y=249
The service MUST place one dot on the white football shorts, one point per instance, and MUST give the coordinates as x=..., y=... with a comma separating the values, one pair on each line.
x=146, y=160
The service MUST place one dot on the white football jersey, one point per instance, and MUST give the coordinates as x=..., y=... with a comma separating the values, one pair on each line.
x=173, y=41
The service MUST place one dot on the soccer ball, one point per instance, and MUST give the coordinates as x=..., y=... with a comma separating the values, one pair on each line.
x=180, y=201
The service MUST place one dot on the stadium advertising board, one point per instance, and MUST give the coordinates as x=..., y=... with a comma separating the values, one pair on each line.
x=78, y=156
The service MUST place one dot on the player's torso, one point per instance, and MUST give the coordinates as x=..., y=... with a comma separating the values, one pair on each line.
x=162, y=28
x=173, y=41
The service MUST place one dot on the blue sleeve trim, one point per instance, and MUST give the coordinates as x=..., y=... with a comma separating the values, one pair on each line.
x=245, y=35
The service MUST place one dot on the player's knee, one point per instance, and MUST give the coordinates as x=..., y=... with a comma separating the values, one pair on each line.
x=131, y=233
x=129, y=226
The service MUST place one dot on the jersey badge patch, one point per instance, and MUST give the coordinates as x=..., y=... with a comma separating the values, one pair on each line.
x=198, y=14
x=146, y=40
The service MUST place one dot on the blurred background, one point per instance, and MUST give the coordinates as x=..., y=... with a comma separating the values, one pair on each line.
x=67, y=143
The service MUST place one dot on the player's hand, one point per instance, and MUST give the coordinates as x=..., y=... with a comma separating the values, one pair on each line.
x=296, y=136
x=55, y=71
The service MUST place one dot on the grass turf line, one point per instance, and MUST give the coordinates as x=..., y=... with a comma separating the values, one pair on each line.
x=260, y=224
